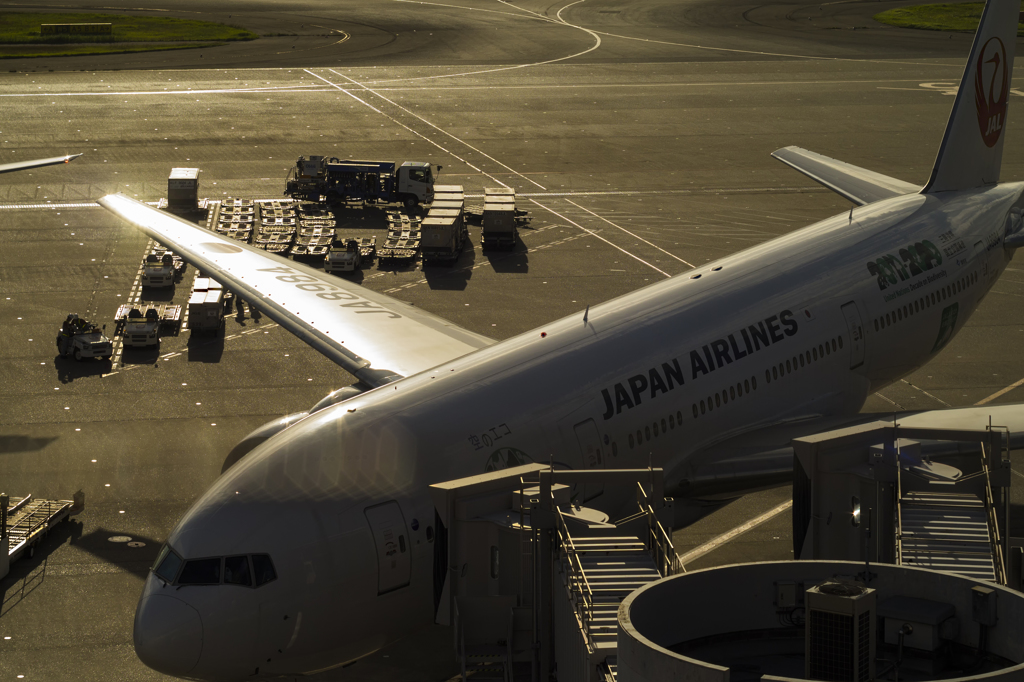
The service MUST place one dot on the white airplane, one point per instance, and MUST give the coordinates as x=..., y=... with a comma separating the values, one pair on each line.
x=282, y=566
x=36, y=163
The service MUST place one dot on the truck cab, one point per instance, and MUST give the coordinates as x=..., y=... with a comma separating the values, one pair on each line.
x=416, y=183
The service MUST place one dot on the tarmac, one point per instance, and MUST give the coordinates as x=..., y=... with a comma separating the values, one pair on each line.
x=637, y=133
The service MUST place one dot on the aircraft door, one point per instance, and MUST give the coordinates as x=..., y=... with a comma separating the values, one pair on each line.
x=856, y=330
x=590, y=444
x=394, y=549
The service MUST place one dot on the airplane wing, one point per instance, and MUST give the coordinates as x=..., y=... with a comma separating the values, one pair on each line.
x=859, y=185
x=764, y=458
x=373, y=336
x=38, y=163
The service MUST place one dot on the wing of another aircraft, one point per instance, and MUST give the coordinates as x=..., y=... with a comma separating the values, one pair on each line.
x=371, y=335
x=37, y=163
x=764, y=458
x=859, y=185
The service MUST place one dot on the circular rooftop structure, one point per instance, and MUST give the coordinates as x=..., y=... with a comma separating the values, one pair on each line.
x=824, y=620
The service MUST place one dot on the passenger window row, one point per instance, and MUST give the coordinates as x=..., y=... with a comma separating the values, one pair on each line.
x=805, y=359
x=925, y=302
x=723, y=397
x=247, y=570
x=652, y=431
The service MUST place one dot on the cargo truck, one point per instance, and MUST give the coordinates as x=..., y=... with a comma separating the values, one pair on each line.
x=335, y=180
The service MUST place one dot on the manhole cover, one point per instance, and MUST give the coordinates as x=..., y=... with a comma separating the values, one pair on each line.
x=119, y=538
x=136, y=543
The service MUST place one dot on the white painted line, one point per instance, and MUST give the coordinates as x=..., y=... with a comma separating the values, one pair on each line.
x=1002, y=392
x=938, y=400
x=594, y=234
x=670, y=255
x=416, y=132
x=707, y=547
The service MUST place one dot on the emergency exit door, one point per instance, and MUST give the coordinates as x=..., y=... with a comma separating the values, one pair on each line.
x=394, y=555
x=856, y=329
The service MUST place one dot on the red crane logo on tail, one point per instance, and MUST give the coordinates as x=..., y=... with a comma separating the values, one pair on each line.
x=991, y=90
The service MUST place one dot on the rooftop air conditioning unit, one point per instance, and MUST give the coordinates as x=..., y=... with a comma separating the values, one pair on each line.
x=840, y=633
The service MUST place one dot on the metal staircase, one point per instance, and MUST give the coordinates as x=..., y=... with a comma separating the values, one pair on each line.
x=946, y=532
x=600, y=565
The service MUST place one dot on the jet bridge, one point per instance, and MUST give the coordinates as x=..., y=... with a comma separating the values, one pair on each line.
x=531, y=581
x=926, y=497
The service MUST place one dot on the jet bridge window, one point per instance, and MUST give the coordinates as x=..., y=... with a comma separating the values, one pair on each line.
x=200, y=572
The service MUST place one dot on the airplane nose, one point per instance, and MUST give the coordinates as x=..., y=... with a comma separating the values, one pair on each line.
x=168, y=634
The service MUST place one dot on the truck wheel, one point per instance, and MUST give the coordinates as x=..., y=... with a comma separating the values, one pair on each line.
x=78, y=354
x=410, y=202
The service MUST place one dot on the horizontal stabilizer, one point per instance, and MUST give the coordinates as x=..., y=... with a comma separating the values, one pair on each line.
x=376, y=338
x=859, y=185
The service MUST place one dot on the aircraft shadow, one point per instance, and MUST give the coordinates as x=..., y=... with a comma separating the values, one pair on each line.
x=69, y=369
x=10, y=444
x=135, y=560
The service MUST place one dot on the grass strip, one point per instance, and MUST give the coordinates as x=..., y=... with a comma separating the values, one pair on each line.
x=960, y=18
x=24, y=28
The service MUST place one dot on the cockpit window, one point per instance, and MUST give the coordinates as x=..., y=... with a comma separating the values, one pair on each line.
x=263, y=568
x=236, y=571
x=200, y=572
x=167, y=564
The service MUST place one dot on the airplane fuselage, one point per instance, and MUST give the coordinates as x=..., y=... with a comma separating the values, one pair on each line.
x=809, y=324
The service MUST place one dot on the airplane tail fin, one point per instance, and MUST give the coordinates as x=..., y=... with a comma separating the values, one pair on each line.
x=972, y=146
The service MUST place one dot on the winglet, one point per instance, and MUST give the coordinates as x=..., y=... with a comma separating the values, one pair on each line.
x=972, y=147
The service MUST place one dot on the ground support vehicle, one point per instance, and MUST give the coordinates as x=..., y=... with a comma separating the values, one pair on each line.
x=277, y=223
x=135, y=321
x=80, y=339
x=344, y=256
x=316, y=229
x=337, y=181
x=27, y=521
x=312, y=243
x=499, y=219
x=142, y=330
x=449, y=193
x=236, y=218
x=398, y=249
x=444, y=229
x=206, y=306
x=161, y=268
